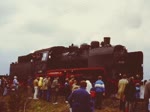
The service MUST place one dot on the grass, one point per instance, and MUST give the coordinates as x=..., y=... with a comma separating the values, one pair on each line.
x=29, y=105
x=43, y=106
x=40, y=105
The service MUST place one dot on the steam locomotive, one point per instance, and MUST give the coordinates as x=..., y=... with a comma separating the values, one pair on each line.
x=86, y=61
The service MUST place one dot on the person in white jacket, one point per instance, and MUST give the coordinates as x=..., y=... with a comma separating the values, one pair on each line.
x=89, y=86
x=15, y=83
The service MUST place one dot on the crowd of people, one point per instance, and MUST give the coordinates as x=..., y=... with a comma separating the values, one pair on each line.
x=81, y=94
x=7, y=85
x=131, y=92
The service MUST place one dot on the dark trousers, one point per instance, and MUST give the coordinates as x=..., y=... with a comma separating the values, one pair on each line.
x=44, y=94
x=40, y=93
x=122, y=105
x=55, y=94
x=98, y=100
x=67, y=93
x=48, y=94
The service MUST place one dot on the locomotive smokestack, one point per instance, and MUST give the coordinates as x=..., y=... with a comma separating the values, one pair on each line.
x=106, y=42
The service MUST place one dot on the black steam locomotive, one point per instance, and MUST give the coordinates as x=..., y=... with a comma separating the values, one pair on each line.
x=115, y=60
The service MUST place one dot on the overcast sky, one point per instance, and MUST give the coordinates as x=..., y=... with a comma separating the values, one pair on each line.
x=27, y=25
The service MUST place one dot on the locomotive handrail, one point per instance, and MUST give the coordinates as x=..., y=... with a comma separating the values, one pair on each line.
x=77, y=69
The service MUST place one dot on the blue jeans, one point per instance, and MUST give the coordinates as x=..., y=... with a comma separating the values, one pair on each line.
x=48, y=94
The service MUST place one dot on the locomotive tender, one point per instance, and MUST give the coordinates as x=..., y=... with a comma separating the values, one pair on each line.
x=112, y=60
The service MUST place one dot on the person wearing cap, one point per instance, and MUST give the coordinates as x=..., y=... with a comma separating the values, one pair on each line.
x=15, y=83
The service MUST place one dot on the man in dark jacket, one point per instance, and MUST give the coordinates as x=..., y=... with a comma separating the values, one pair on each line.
x=130, y=95
x=80, y=99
